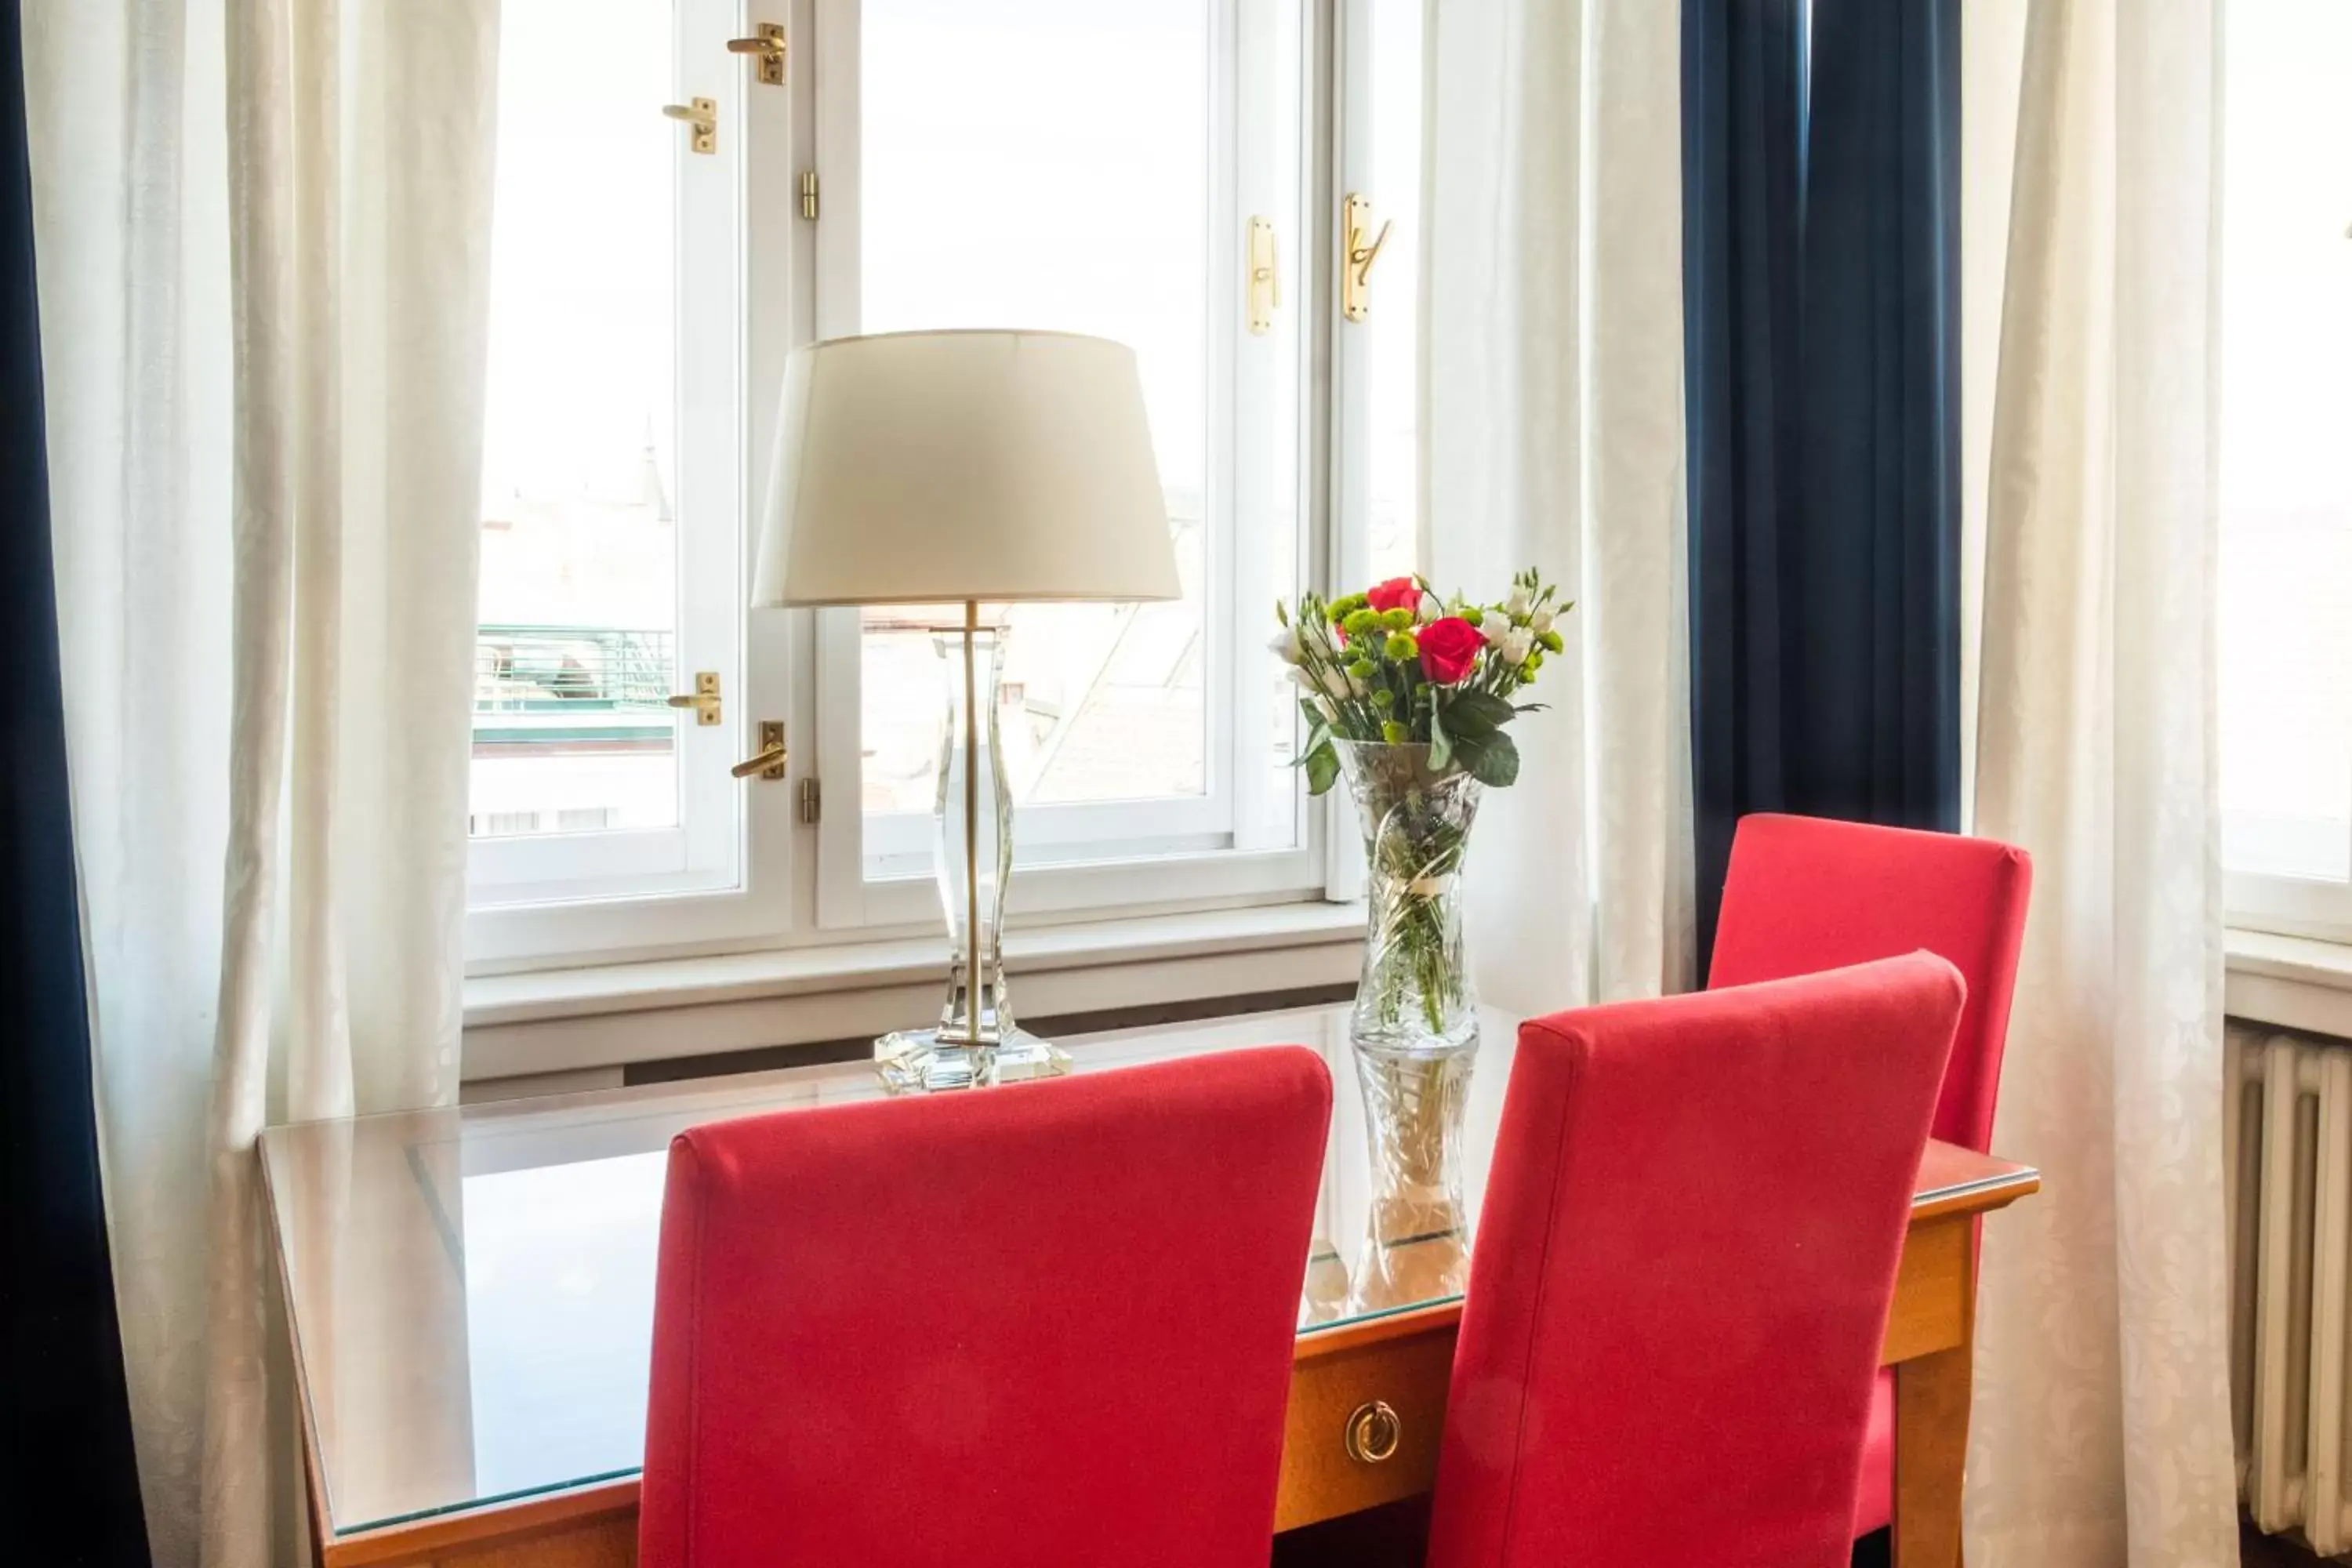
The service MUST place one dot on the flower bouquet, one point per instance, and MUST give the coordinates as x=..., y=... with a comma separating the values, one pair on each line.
x=1407, y=698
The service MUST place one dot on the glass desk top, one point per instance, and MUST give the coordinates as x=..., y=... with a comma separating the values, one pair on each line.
x=471, y=1289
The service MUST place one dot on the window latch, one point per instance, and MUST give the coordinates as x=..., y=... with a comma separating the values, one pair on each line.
x=1362, y=248
x=1265, y=277
x=769, y=762
x=768, y=44
x=703, y=698
x=701, y=117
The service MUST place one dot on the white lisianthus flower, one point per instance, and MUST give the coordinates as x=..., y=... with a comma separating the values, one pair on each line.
x=1517, y=644
x=1430, y=609
x=1493, y=628
x=1520, y=603
x=1286, y=647
x=1337, y=683
x=1540, y=622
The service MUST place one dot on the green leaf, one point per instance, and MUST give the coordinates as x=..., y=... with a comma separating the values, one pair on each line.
x=1322, y=766
x=1494, y=760
x=1472, y=712
x=1440, y=749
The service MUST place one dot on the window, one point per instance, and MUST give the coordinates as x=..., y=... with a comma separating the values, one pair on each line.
x=2286, y=475
x=1383, y=150
x=1029, y=162
x=612, y=474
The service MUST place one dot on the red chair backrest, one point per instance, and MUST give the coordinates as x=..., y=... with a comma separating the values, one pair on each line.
x=1805, y=894
x=1046, y=1321
x=1681, y=1273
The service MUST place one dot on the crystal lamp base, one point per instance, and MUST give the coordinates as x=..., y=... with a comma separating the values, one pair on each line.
x=920, y=1061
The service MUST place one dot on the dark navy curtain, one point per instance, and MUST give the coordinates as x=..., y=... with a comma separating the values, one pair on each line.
x=1821, y=250
x=73, y=1483
x=1743, y=145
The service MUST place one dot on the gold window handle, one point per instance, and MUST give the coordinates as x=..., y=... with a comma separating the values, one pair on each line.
x=703, y=698
x=768, y=44
x=701, y=117
x=1356, y=274
x=769, y=762
x=1265, y=277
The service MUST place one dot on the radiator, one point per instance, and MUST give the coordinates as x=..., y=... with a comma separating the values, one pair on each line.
x=2288, y=1132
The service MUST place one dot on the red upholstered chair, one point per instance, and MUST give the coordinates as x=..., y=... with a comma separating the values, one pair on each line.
x=1805, y=894
x=1037, y=1324
x=1681, y=1273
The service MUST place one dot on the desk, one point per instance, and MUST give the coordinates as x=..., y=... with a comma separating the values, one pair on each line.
x=471, y=1295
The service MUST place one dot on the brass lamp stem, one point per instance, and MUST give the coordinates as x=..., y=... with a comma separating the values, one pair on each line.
x=971, y=820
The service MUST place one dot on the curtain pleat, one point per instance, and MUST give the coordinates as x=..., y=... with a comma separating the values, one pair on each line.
x=266, y=438
x=1552, y=338
x=1821, y=286
x=1742, y=120
x=2101, y=1434
x=63, y=1400
x=1872, y=567
x=1636, y=528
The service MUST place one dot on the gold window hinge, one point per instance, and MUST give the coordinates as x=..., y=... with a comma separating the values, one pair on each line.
x=703, y=698
x=1362, y=247
x=768, y=43
x=812, y=800
x=769, y=763
x=701, y=117
x=1265, y=277
x=808, y=194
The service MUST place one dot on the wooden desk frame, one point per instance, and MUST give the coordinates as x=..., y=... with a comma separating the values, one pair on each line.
x=1405, y=1359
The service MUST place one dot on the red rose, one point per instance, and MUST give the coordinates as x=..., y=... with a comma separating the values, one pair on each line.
x=1448, y=649
x=1396, y=594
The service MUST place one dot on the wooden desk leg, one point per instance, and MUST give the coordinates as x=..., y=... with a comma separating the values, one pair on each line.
x=1931, y=1449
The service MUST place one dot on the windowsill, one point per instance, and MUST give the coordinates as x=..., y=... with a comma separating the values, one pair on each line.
x=2293, y=982
x=607, y=1017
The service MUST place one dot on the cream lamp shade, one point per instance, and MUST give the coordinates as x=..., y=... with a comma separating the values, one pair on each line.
x=922, y=468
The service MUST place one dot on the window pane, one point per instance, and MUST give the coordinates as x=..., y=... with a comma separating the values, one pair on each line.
x=579, y=584
x=1394, y=321
x=1271, y=436
x=1045, y=163
x=2286, y=469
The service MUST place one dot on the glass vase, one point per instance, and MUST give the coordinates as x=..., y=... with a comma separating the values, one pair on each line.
x=1414, y=1028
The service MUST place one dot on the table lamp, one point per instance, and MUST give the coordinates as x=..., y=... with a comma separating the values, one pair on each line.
x=965, y=467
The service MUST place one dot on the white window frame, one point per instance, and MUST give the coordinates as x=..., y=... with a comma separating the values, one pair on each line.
x=724, y=875
x=2291, y=906
x=1127, y=854
x=801, y=883
x=1346, y=545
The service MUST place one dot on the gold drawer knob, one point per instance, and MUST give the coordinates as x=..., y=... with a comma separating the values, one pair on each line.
x=1374, y=1432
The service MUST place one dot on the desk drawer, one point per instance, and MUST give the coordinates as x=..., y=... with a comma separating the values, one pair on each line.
x=1320, y=1477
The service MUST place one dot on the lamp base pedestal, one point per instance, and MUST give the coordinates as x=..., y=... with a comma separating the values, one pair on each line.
x=924, y=1061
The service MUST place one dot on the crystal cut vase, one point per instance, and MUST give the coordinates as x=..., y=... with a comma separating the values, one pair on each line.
x=1414, y=1028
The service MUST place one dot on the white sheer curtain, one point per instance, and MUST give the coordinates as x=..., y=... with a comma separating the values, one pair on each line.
x=263, y=237
x=2102, y=1423
x=1553, y=432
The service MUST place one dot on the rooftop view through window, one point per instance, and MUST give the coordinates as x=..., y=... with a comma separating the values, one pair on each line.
x=579, y=581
